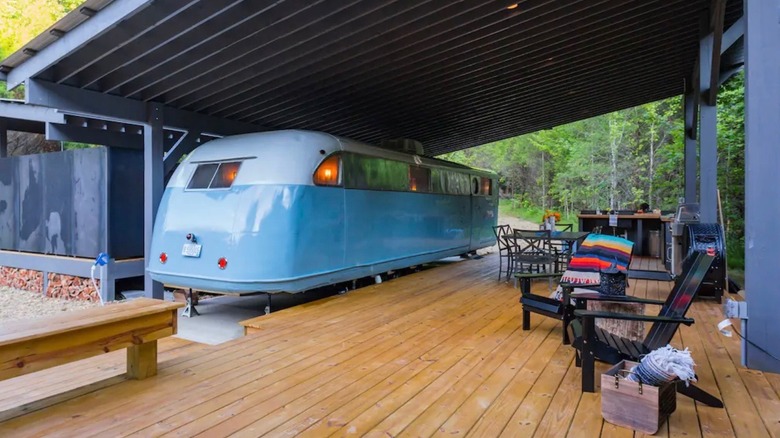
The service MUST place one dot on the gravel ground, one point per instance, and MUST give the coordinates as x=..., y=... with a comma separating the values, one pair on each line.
x=19, y=304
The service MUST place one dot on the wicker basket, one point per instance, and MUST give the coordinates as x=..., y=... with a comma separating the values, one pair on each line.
x=643, y=408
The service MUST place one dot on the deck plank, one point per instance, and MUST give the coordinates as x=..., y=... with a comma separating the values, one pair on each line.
x=439, y=352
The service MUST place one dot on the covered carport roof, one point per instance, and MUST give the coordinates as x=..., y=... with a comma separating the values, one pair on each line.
x=449, y=74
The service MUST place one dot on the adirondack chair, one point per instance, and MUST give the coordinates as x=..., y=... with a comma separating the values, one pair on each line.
x=593, y=343
x=596, y=253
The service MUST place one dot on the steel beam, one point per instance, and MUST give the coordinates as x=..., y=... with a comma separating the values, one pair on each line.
x=18, y=110
x=114, y=108
x=709, y=62
x=726, y=75
x=732, y=34
x=185, y=145
x=716, y=28
x=3, y=138
x=102, y=137
x=104, y=20
x=691, y=159
x=153, y=187
x=762, y=183
x=79, y=267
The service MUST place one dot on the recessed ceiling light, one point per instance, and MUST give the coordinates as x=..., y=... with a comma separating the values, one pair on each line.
x=512, y=6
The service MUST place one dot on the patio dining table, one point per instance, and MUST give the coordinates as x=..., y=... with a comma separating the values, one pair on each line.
x=569, y=239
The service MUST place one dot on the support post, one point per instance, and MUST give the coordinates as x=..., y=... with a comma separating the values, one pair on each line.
x=708, y=182
x=153, y=187
x=107, y=282
x=762, y=183
x=3, y=138
x=691, y=150
x=708, y=132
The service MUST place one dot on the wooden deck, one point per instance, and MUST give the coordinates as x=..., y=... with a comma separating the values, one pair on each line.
x=440, y=353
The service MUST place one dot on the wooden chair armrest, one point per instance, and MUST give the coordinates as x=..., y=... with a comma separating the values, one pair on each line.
x=566, y=285
x=588, y=314
x=614, y=298
x=520, y=275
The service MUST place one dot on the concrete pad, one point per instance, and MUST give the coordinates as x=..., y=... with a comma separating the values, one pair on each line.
x=220, y=315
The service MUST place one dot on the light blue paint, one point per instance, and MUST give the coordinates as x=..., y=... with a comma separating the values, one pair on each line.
x=295, y=237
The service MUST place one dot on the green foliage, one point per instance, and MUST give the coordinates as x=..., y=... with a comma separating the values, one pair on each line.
x=618, y=160
x=23, y=20
x=69, y=145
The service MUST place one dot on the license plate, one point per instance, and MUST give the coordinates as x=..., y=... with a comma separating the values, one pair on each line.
x=190, y=250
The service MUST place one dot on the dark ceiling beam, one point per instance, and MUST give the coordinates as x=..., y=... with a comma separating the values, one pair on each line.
x=369, y=33
x=116, y=40
x=213, y=19
x=244, y=45
x=104, y=20
x=114, y=108
x=512, y=127
x=439, y=63
x=502, y=79
x=529, y=93
x=532, y=111
x=533, y=114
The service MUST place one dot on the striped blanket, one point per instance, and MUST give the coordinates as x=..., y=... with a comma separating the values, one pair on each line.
x=598, y=252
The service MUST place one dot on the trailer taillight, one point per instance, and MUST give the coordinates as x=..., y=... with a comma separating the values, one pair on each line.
x=163, y=257
x=222, y=263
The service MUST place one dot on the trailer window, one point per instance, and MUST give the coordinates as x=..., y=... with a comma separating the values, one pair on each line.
x=450, y=183
x=214, y=175
x=372, y=173
x=487, y=186
x=419, y=179
x=225, y=176
x=203, y=176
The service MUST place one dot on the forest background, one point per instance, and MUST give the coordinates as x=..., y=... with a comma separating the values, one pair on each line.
x=614, y=161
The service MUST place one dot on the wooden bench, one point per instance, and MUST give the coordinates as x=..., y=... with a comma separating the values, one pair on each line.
x=29, y=346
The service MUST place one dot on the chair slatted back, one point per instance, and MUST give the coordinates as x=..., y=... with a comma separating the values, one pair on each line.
x=500, y=231
x=536, y=242
x=679, y=300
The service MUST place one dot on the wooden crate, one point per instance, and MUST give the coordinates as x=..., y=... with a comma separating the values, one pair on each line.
x=630, y=404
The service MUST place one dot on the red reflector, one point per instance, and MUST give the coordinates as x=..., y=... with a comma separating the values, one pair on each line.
x=222, y=262
x=163, y=257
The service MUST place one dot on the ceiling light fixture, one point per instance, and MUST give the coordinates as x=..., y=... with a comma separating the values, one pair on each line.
x=512, y=6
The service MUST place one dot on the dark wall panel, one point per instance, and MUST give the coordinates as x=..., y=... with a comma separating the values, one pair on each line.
x=56, y=177
x=8, y=201
x=88, y=194
x=30, y=217
x=56, y=203
x=126, y=212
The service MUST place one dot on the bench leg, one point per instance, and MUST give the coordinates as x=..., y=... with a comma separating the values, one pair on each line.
x=142, y=360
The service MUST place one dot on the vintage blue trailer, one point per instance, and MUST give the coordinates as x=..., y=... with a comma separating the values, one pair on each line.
x=287, y=211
